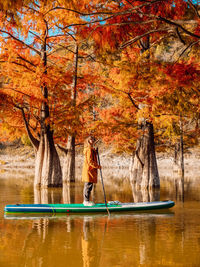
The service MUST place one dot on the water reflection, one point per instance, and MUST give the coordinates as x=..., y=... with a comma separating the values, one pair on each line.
x=145, y=195
x=167, y=238
x=52, y=195
x=179, y=178
x=179, y=189
x=89, y=243
x=68, y=193
x=41, y=196
x=34, y=243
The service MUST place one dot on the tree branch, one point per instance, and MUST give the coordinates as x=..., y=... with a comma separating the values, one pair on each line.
x=26, y=60
x=7, y=88
x=179, y=36
x=190, y=45
x=132, y=101
x=195, y=8
x=33, y=140
x=20, y=41
x=65, y=150
x=141, y=36
x=170, y=22
x=19, y=64
x=89, y=22
x=78, y=12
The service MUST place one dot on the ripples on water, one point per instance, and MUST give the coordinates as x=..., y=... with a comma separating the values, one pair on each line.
x=167, y=238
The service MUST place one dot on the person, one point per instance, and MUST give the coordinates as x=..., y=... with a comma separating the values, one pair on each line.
x=89, y=172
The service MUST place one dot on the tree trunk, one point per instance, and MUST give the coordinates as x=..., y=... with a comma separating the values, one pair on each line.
x=143, y=169
x=47, y=168
x=179, y=154
x=48, y=171
x=182, y=150
x=69, y=161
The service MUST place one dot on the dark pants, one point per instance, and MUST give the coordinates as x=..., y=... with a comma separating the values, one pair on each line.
x=87, y=190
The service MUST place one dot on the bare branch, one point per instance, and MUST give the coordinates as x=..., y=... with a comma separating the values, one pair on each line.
x=141, y=36
x=32, y=9
x=19, y=64
x=195, y=8
x=77, y=12
x=189, y=46
x=20, y=41
x=26, y=60
x=129, y=96
x=179, y=36
x=132, y=101
x=170, y=22
x=33, y=140
x=65, y=150
x=35, y=35
x=144, y=3
x=15, y=90
x=89, y=22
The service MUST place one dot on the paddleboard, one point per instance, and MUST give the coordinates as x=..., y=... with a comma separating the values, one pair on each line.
x=113, y=206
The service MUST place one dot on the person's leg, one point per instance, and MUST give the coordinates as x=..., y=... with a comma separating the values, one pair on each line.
x=87, y=190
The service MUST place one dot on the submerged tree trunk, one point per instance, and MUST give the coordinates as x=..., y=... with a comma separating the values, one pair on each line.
x=179, y=154
x=48, y=171
x=178, y=164
x=69, y=161
x=143, y=169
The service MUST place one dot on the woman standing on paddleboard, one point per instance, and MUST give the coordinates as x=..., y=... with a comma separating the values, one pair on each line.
x=89, y=172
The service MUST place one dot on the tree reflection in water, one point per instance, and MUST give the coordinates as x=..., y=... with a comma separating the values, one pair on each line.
x=179, y=186
x=145, y=195
x=46, y=196
x=91, y=240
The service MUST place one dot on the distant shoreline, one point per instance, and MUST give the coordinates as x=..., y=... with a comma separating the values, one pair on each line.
x=20, y=160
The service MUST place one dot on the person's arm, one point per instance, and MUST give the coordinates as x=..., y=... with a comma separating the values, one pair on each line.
x=91, y=162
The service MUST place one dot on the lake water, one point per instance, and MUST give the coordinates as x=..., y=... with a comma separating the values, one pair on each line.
x=167, y=238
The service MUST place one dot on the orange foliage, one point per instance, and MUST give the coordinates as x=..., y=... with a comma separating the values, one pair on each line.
x=27, y=74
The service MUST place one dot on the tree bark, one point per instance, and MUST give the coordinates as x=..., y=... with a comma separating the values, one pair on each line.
x=179, y=166
x=47, y=163
x=48, y=171
x=69, y=161
x=143, y=169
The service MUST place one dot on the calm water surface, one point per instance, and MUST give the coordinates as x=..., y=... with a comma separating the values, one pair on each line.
x=167, y=238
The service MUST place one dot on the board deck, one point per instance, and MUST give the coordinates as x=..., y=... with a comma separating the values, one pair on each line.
x=113, y=206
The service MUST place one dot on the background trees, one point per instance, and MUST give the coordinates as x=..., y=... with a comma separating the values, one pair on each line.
x=41, y=81
x=141, y=28
x=69, y=69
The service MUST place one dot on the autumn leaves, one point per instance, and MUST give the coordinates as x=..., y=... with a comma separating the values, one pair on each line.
x=72, y=68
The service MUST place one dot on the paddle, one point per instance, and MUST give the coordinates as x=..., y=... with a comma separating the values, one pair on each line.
x=104, y=193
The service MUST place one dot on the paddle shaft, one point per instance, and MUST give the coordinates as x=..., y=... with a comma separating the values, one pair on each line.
x=104, y=193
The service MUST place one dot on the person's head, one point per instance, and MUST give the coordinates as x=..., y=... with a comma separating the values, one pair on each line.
x=90, y=141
